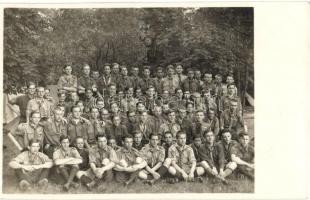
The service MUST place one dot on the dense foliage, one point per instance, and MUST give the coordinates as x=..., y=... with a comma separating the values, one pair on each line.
x=38, y=42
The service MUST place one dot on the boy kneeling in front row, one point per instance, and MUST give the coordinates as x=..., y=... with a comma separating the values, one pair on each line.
x=32, y=167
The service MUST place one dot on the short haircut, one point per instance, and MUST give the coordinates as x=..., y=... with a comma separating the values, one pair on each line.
x=100, y=135
x=180, y=133
x=78, y=137
x=75, y=106
x=170, y=67
x=231, y=84
x=176, y=90
x=242, y=134
x=146, y=67
x=159, y=68
x=167, y=132
x=63, y=137
x=127, y=136
x=226, y=130
x=65, y=66
x=136, y=133
x=197, y=136
x=93, y=108
x=153, y=134
x=31, y=141
x=31, y=83
x=35, y=112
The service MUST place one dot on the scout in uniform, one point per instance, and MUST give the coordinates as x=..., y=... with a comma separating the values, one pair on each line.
x=67, y=82
x=190, y=83
x=144, y=127
x=170, y=125
x=22, y=101
x=183, y=161
x=32, y=130
x=208, y=84
x=105, y=80
x=211, y=158
x=213, y=122
x=129, y=102
x=196, y=144
x=39, y=104
x=124, y=80
x=85, y=81
x=31, y=167
x=52, y=132
x=102, y=159
x=170, y=83
x=67, y=159
x=231, y=95
x=117, y=130
x=243, y=155
x=146, y=81
x=135, y=76
x=158, y=79
x=157, y=119
x=78, y=126
x=131, y=122
x=154, y=155
x=179, y=73
x=227, y=145
x=232, y=120
x=200, y=126
x=130, y=162
x=96, y=127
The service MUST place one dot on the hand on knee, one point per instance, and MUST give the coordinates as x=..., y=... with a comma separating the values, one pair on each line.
x=172, y=170
x=142, y=175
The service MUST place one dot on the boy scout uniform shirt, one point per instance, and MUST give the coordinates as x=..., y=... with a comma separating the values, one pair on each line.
x=170, y=84
x=85, y=157
x=67, y=81
x=29, y=131
x=96, y=155
x=191, y=85
x=183, y=156
x=213, y=155
x=96, y=128
x=128, y=155
x=169, y=127
x=62, y=154
x=153, y=155
x=226, y=100
x=245, y=154
x=53, y=130
x=86, y=82
x=77, y=128
x=43, y=106
x=28, y=158
x=227, y=149
x=231, y=121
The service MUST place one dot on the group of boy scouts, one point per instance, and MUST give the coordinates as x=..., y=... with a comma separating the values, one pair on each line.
x=119, y=127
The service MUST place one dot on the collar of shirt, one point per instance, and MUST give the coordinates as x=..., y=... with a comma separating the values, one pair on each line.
x=178, y=147
x=124, y=150
x=75, y=121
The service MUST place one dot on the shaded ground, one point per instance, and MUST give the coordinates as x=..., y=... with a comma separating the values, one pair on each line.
x=240, y=186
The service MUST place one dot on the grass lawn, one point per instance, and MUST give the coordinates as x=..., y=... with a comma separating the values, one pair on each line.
x=236, y=186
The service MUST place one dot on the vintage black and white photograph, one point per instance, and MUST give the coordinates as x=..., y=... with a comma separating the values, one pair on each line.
x=128, y=100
